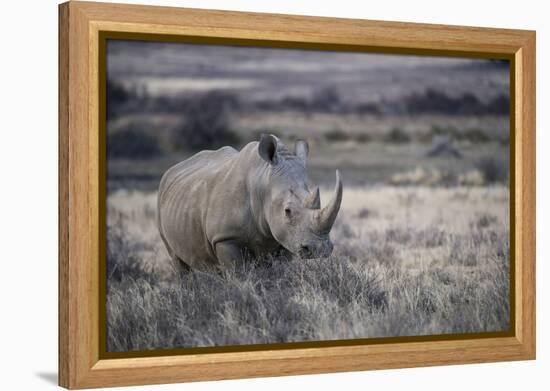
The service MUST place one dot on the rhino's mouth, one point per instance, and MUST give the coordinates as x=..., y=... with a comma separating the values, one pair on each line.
x=315, y=250
x=306, y=253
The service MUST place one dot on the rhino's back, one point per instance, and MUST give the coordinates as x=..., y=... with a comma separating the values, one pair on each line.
x=202, y=166
x=183, y=199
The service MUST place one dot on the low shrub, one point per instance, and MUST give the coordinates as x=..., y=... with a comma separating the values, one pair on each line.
x=436, y=101
x=133, y=143
x=397, y=136
x=493, y=169
x=337, y=135
x=205, y=124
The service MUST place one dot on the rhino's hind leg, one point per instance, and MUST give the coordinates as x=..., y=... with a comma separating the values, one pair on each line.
x=180, y=267
x=229, y=254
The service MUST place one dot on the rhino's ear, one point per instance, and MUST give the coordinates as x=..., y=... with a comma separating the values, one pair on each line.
x=268, y=148
x=301, y=149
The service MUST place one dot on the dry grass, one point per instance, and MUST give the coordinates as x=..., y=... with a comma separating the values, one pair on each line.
x=407, y=261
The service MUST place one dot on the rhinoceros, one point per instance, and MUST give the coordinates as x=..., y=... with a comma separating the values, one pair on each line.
x=217, y=206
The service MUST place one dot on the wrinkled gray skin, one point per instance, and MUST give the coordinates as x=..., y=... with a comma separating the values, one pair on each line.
x=217, y=206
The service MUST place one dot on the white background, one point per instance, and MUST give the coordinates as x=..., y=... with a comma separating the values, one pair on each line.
x=28, y=207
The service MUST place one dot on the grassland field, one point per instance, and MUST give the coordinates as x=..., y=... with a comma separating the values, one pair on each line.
x=407, y=261
x=421, y=243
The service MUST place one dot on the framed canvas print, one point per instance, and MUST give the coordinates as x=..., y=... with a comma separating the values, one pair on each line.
x=247, y=195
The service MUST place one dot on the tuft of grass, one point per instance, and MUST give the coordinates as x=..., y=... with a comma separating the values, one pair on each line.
x=397, y=136
x=363, y=138
x=493, y=170
x=337, y=135
x=270, y=301
x=475, y=135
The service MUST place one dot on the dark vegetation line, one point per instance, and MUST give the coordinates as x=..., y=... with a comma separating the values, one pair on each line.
x=205, y=117
x=122, y=100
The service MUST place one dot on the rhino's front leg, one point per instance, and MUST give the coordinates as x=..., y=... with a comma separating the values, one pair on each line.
x=229, y=253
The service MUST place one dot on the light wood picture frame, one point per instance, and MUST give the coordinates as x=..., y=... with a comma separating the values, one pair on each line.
x=82, y=32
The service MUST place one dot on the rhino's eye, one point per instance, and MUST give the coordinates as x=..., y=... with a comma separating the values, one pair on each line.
x=288, y=212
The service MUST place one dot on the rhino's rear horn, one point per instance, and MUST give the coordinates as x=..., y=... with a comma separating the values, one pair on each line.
x=327, y=215
x=313, y=200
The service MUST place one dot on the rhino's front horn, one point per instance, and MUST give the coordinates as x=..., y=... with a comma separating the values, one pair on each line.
x=313, y=200
x=328, y=214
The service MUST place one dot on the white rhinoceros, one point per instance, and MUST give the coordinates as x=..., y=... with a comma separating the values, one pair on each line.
x=218, y=205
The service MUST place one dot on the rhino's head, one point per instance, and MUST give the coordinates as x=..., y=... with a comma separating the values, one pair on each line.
x=292, y=211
